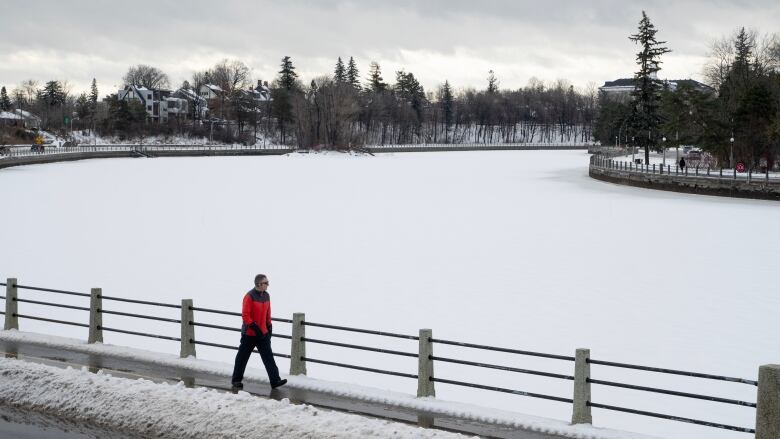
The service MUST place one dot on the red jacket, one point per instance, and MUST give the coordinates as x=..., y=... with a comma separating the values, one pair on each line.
x=256, y=309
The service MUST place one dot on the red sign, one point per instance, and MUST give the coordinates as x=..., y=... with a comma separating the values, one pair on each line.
x=740, y=167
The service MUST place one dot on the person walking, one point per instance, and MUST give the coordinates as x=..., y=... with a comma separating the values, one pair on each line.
x=682, y=163
x=256, y=333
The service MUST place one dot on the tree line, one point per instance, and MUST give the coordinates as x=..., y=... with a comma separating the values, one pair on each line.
x=332, y=111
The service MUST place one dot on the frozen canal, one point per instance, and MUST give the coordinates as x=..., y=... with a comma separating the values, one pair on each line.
x=515, y=249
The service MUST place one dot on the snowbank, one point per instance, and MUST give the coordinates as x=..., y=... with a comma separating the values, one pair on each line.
x=25, y=384
x=174, y=411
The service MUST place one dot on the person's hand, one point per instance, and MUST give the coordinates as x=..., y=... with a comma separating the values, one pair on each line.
x=256, y=328
x=270, y=329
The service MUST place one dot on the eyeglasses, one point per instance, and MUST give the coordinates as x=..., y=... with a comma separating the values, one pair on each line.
x=265, y=282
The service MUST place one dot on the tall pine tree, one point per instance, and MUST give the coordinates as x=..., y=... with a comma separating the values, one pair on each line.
x=287, y=75
x=339, y=73
x=646, y=117
x=447, y=104
x=353, y=76
x=5, y=102
x=375, y=81
x=492, y=87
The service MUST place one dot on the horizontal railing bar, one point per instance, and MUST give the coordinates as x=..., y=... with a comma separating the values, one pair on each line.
x=50, y=290
x=231, y=313
x=57, y=305
x=139, y=316
x=672, y=418
x=673, y=392
x=365, y=369
x=497, y=349
x=142, y=302
x=504, y=368
x=3, y=284
x=142, y=334
x=216, y=311
x=235, y=348
x=363, y=331
x=208, y=325
x=362, y=348
x=23, y=316
x=2, y=297
x=673, y=372
x=501, y=389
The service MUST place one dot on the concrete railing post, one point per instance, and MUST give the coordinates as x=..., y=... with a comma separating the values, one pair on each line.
x=425, y=385
x=11, y=305
x=187, y=329
x=768, y=402
x=95, y=316
x=298, y=345
x=580, y=408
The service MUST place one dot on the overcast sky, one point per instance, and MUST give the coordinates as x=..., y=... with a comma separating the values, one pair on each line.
x=458, y=40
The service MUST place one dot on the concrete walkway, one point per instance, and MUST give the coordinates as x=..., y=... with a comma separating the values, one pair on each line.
x=135, y=369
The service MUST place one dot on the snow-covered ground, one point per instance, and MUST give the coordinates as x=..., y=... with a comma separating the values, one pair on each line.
x=23, y=376
x=518, y=249
x=174, y=411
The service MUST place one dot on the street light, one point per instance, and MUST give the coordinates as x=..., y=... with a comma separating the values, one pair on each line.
x=663, y=146
x=632, y=150
x=731, y=154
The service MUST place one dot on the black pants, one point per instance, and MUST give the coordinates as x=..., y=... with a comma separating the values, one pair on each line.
x=248, y=344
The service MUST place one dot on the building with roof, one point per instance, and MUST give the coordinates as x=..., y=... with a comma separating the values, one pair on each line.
x=620, y=89
x=160, y=105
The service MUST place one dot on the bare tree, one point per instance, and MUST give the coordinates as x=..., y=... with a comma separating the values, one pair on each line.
x=147, y=76
x=231, y=75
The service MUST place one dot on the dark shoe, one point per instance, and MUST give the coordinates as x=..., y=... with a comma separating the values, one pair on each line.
x=237, y=386
x=278, y=384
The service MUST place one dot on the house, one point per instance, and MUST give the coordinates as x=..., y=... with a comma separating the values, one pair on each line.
x=620, y=89
x=20, y=118
x=198, y=106
x=160, y=105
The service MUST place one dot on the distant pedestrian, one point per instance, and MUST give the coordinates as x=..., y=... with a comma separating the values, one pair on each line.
x=682, y=163
x=256, y=333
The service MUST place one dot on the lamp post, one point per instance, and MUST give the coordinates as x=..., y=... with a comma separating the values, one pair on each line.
x=731, y=153
x=632, y=150
x=663, y=146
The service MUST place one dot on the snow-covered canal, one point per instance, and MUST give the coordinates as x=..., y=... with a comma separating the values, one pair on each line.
x=515, y=249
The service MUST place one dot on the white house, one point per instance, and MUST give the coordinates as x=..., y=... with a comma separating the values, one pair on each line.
x=159, y=104
x=20, y=118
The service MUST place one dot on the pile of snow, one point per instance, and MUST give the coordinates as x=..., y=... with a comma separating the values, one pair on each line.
x=174, y=411
x=392, y=399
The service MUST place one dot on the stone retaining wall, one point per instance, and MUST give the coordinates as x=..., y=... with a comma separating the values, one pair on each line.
x=756, y=189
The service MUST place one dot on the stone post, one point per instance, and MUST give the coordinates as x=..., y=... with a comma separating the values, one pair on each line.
x=187, y=329
x=768, y=402
x=95, y=316
x=11, y=305
x=425, y=386
x=581, y=409
x=298, y=345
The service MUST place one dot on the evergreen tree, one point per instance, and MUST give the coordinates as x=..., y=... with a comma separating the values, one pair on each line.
x=287, y=75
x=646, y=117
x=5, y=102
x=375, y=81
x=340, y=74
x=93, y=94
x=447, y=104
x=353, y=76
x=492, y=83
x=53, y=94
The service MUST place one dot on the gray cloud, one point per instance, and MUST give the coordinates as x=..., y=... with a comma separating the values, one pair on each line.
x=436, y=39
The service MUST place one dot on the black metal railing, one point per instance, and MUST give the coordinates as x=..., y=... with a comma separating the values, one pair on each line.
x=672, y=393
x=503, y=368
x=433, y=358
x=359, y=347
